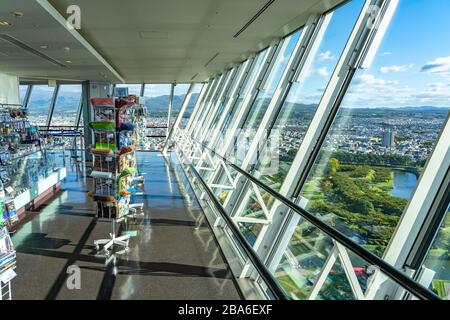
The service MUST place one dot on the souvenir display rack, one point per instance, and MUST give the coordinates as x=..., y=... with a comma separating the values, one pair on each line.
x=7, y=264
x=114, y=163
x=28, y=173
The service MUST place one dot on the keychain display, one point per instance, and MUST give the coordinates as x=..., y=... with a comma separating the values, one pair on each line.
x=114, y=161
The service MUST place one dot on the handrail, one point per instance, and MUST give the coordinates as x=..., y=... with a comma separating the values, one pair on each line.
x=265, y=274
x=400, y=278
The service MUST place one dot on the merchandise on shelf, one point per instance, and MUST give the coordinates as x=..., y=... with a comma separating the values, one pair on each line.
x=7, y=252
x=114, y=157
x=24, y=159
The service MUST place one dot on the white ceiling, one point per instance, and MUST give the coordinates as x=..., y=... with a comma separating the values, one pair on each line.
x=153, y=41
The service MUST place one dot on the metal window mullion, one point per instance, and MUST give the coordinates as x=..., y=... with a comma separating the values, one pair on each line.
x=52, y=106
x=215, y=105
x=26, y=99
x=232, y=101
x=223, y=97
x=142, y=92
x=201, y=104
x=79, y=112
x=176, y=124
x=205, y=88
x=205, y=103
x=247, y=103
x=273, y=240
x=414, y=216
x=249, y=99
x=169, y=114
x=280, y=93
x=430, y=229
x=209, y=104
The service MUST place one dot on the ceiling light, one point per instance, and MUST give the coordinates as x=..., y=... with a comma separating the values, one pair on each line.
x=43, y=46
x=68, y=61
x=4, y=24
x=66, y=49
x=17, y=14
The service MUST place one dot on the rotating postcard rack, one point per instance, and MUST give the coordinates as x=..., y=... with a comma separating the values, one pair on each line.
x=7, y=264
x=114, y=164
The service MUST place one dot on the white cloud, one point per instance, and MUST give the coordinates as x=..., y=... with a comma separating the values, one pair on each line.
x=370, y=91
x=387, y=53
x=324, y=56
x=321, y=72
x=439, y=65
x=396, y=69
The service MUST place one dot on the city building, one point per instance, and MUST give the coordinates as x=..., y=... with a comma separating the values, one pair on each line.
x=224, y=150
x=389, y=138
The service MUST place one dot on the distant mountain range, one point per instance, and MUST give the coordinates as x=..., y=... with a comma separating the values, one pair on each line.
x=157, y=106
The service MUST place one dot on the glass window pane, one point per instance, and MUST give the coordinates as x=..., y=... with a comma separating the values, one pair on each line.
x=39, y=104
x=232, y=87
x=22, y=92
x=192, y=102
x=385, y=130
x=249, y=82
x=134, y=89
x=179, y=94
x=260, y=105
x=306, y=92
x=157, y=103
x=67, y=105
x=438, y=259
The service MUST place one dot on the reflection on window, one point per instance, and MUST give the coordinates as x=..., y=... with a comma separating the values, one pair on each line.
x=39, y=104
x=157, y=103
x=438, y=260
x=179, y=94
x=134, y=89
x=22, y=92
x=306, y=92
x=218, y=115
x=191, y=105
x=385, y=130
x=299, y=107
x=260, y=105
x=67, y=105
x=249, y=82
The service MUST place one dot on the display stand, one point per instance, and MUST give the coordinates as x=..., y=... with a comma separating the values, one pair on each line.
x=114, y=164
x=7, y=264
x=25, y=164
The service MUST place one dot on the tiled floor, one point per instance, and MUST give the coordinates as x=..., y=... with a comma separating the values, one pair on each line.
x=172, y=254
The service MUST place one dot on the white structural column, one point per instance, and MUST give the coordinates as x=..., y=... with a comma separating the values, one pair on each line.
x=216, y=103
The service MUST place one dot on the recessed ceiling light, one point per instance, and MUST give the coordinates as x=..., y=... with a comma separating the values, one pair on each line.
x=68, y=61
x=43, y=46
x=4, y=24
x=66, y=48
x=17, y=14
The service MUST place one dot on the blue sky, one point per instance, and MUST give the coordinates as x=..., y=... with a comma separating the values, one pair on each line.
x=411, y=68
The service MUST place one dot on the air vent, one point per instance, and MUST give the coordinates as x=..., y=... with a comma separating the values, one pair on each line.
x=210, y=60
x=29, y=49
x=256, y=16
